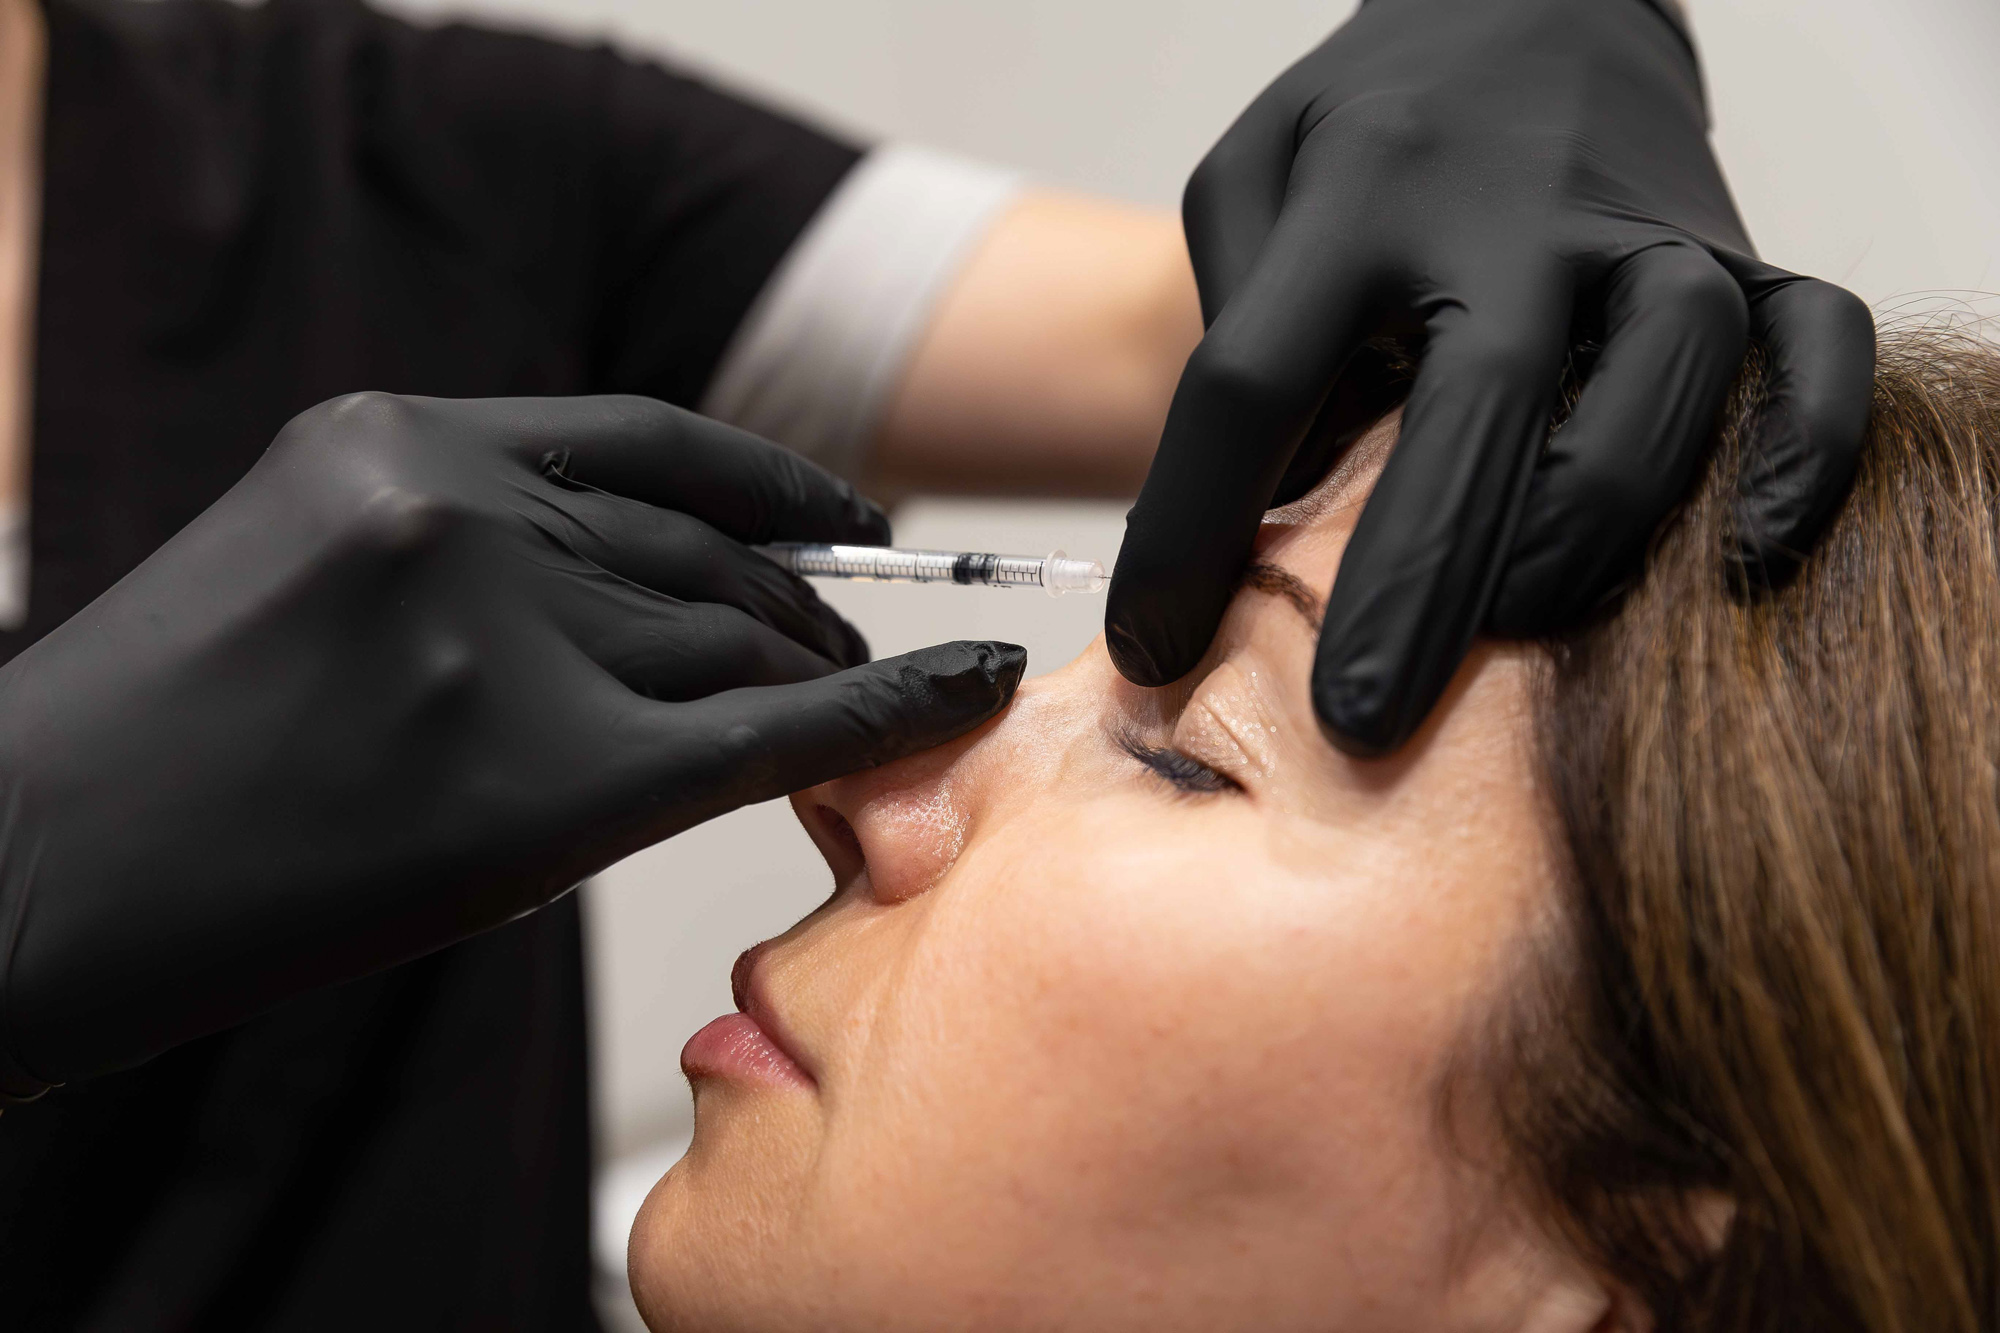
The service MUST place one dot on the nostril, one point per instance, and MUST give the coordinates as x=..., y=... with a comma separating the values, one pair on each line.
x=841, y=831
x=844, y=841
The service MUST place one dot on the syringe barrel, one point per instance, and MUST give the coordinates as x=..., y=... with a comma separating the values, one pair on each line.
x=889, y=564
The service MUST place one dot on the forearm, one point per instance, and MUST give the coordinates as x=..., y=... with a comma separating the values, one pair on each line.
x=1048, y=364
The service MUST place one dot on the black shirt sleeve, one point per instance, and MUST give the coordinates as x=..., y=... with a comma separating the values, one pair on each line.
x=641, y=209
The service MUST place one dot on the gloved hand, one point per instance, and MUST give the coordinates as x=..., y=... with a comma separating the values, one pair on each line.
x=1491, y=180
x=428, y=665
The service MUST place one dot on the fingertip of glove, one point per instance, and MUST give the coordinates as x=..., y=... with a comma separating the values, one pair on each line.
x=1360, y=735
x=1134, y=659
x=1776, y=521
x=1364, y=717
x=1001, y=665
x=983, y=673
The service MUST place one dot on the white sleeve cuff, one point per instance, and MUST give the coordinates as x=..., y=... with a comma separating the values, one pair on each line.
x=825, y=343
x=13, y=565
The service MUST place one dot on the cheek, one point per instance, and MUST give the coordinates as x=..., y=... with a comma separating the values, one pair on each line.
x=1118, y=1045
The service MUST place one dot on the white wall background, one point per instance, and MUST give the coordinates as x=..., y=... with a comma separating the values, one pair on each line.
x=1862, y=138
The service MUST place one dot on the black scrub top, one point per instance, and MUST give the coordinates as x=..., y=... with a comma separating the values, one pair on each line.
x=247, y=211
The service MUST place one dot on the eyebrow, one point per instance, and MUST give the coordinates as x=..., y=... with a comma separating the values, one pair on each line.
x=1262, y=576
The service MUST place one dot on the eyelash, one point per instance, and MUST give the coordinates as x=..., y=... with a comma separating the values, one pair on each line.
x=1182, y=772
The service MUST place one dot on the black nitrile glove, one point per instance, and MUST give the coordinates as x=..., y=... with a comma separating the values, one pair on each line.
x=428, y=665
x=1491, y=181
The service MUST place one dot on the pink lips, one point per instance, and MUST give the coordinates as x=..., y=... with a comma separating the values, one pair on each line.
x=741, y=1046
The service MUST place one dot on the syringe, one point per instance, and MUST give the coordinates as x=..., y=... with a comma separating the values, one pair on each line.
x=1055, y=573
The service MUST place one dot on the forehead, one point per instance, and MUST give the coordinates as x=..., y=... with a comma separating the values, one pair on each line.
x=1313, y=529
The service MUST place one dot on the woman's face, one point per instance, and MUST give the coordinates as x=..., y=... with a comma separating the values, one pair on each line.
x=1130, y=1012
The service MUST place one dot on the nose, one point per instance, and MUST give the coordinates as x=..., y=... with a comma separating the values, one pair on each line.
x=893, y=832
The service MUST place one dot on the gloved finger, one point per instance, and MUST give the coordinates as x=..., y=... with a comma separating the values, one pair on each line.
x=1249, y=392
x=760, y=744
x=671, y=650
x=1419, y=573
x=745, y=486
x=1233, y=200
x=685, y=558
x=1373, y=383
x=1821, y=342
x=1675, y=330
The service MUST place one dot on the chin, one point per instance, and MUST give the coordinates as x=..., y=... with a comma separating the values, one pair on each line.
x=709, y=1250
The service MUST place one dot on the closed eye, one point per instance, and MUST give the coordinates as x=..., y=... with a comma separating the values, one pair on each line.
x=1183, y=772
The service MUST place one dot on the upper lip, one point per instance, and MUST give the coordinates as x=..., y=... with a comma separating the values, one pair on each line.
x=747, y=983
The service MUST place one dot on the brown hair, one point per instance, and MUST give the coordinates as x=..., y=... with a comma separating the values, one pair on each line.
x=1776, y=987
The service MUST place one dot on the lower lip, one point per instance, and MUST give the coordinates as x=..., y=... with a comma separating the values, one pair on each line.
x=734, y=1047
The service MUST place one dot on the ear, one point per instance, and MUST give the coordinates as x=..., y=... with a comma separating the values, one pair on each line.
x=1529, y=1283
x=1567, y=1298
x=1575, y=1302
x=1625, y=1315
x=1586, y=1306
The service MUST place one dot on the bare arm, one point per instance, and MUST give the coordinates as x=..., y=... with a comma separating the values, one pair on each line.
x=1049, y=363
x=23, y=54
